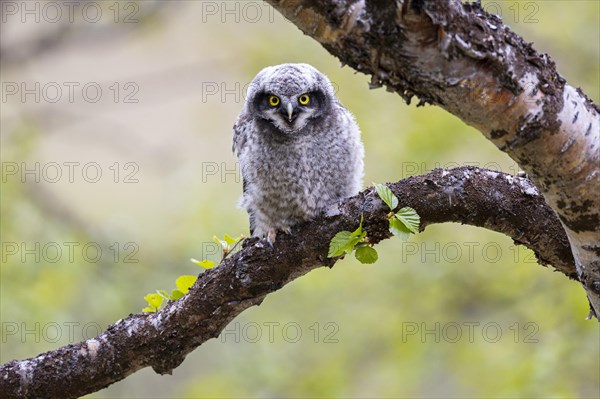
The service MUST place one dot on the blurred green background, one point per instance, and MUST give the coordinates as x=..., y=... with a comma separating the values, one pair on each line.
x=455, y=312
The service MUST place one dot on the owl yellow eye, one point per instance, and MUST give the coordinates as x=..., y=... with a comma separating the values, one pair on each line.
x=304, y=99
x=273, y=101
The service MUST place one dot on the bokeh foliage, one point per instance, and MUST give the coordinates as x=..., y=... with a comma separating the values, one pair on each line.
x=357, y=322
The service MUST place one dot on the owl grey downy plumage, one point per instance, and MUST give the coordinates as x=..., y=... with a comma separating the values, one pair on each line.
x=299, y=149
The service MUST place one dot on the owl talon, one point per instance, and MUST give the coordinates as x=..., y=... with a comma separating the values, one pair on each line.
x=271, y=236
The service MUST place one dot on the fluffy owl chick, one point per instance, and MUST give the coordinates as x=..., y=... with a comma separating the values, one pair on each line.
x=299, y=149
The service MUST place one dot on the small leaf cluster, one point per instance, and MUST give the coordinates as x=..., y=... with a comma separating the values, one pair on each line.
x=345, y=242
x=156, y=300
x=402, y=223
x=185, y=282
x=227, y=244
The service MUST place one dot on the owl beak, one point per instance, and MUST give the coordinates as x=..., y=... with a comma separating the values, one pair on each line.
x=288, y=111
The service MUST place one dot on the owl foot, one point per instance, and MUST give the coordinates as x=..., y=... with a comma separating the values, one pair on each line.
x=272, y=234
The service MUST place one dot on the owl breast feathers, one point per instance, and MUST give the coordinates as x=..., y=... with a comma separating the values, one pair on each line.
x=299, y=149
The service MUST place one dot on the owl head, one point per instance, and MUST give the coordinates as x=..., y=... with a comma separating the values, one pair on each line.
x=289, y=96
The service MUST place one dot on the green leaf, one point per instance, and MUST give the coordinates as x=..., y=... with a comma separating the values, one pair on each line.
x=339, y=244
x=345, y=241
x=399, y=229
x=410, y=218
x=207, y=264
x=184, y=283
x=366, y=254
x=386, y=195
x=342, y=242
x=176, y=294
x=154, y=300
x=163, y=294
x=355, y=239
x=359, y=231
x=149, y=310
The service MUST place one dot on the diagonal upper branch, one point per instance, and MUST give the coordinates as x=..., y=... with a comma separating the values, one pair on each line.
x=465, y=60
x=494, y=200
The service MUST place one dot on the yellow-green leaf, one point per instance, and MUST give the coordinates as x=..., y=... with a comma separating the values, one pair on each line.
x=184, y=283
x=207, y=264
x=230, y=240
x=154, y=300
x=222, y=243
x=163, y=294
x=176, y=294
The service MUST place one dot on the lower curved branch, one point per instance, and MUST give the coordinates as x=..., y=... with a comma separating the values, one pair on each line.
x=494, y=200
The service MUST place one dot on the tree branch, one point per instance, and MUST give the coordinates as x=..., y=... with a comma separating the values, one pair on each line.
x=457, y=56
x=493, y=200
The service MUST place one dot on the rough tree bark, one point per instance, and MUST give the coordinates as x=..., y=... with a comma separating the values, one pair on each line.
x=447, y=53
x=459, y=57
x=496, y=201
